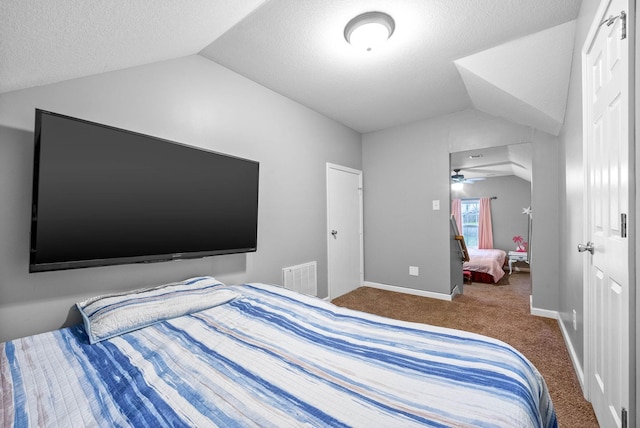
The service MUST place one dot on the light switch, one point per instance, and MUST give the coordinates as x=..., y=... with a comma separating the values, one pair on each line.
x=436, y=204
x=414, y=271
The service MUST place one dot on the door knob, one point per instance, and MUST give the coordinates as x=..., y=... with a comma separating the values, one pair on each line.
x=334, y=233
x=586, y=247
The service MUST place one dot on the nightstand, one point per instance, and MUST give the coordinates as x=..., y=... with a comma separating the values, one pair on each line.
x=517, y=256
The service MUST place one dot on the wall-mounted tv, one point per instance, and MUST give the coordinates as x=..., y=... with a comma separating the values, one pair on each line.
x=107, y=196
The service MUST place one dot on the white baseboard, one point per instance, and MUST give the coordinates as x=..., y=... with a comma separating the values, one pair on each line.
x=423, y=293
x=574, y=357
x=577, y=368
x=546, y=313
x=456, y=290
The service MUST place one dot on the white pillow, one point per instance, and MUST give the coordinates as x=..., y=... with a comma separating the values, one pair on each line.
x=114, y=314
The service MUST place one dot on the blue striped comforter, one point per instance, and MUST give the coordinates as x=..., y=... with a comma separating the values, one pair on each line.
x=271, y=358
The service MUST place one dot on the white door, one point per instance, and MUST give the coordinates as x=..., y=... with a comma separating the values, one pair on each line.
x=607, y=173
x=344, y=230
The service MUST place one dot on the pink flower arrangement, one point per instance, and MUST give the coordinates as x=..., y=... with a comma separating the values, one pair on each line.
x=520, y=242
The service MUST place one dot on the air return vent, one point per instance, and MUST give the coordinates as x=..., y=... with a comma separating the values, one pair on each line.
x=301, y=278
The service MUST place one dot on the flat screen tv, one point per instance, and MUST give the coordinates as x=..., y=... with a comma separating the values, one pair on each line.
x=107, y=196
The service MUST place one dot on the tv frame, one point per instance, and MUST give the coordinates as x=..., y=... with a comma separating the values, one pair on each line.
x=35, y=267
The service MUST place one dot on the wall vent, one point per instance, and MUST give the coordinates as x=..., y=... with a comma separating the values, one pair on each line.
x=301, y=278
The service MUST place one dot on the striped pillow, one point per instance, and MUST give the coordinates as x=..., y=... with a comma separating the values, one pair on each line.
x=114, y=314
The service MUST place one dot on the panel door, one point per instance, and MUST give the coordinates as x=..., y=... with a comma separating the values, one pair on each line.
x=606, y=66
x=344, y=230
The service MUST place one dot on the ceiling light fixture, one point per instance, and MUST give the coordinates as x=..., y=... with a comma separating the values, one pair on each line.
x=369, y=30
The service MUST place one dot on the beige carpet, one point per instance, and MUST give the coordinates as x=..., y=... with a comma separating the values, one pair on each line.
x=501, y=311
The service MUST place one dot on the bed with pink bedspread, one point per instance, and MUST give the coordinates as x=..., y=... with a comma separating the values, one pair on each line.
x=485, y=265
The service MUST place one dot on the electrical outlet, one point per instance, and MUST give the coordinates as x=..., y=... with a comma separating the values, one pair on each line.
x=436, y=204
x=414, y=271
x=575, y=320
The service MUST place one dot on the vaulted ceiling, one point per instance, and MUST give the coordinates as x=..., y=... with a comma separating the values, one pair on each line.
x=524, y=80
x=509, y=58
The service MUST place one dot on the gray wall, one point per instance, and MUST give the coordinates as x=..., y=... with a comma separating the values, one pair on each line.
x=545, y=204
x=193, y=101
x=572, y=182
x=407, y=167
x=635, y=329
x=513, y=194
x=402, y=170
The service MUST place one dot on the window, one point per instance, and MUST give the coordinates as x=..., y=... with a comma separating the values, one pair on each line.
x=470, y=209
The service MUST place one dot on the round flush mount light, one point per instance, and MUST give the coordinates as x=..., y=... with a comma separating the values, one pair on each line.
x=369, y=30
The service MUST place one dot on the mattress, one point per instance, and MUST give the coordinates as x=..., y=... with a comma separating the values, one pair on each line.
x=486, y=261
x=271, y=358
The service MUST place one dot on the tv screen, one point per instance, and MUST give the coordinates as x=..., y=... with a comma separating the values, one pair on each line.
x=106, y=196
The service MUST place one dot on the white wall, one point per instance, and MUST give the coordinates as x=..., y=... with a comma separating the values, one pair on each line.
x=193, y=101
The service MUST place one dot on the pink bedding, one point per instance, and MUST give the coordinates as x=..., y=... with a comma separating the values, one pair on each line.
x=486, y=261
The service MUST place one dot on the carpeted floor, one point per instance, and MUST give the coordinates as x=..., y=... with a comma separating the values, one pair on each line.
x=501, y=311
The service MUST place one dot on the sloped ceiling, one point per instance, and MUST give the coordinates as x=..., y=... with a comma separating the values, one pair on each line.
x=297, y=48
x=48, y=41
x=525, y=80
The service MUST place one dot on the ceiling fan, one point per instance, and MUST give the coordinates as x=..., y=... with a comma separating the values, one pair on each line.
x=459, y=178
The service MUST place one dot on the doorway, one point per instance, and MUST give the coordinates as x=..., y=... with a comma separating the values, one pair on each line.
x=503, y=175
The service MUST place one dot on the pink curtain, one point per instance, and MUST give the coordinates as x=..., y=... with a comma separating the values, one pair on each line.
x=485, y=231
x=456, y=210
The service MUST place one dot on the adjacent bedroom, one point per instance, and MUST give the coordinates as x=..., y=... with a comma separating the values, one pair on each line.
x=491, y=206
x=246, y=213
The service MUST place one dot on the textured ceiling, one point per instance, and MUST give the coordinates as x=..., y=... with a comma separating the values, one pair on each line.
x=47, y=41
x=294, y=47
x=525, y=80
x=297, y=48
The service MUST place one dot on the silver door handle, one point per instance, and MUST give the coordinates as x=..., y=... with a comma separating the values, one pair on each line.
x=586, y=247
x=334, y=233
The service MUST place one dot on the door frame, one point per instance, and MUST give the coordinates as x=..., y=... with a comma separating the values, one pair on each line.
x=633, y=215
x=332, y=166
x=634, y=295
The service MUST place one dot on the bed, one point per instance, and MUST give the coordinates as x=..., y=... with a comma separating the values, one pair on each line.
x=485, y=265
x=262, y=356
